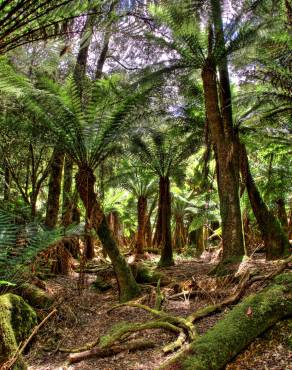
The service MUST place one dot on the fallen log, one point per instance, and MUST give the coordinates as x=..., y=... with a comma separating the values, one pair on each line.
x=106, y=352
x=246, y=321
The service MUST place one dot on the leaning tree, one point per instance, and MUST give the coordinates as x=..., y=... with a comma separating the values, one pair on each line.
x=88, y=135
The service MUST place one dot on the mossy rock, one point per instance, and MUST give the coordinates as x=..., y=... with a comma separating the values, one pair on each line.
x=145, y=275
x=101, y=284
x=17, y=319
x=36, y=297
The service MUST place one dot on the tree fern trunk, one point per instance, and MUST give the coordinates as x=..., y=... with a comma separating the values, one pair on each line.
x=227, y=178
x=141, y=212
x=67, y=204
x=85, y=181
x=166, y=258
x=54, y=189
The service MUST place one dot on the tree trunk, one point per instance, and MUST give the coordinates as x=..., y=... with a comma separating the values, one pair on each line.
x=227, y=174
x=282, y=214
x=245, y=322
x=85, y=181
x=54, y=189
x=6, y=187
x=219, y=115
x=164, y=207
x=179, y=235
x=142, y=213
x=67, y=204
x=148, y=233
x=275, y=240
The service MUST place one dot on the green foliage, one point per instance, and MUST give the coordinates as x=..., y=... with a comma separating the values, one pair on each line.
x=20, y=244
x=163, y=153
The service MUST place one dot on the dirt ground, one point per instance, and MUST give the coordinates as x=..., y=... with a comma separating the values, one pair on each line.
x=83, y=316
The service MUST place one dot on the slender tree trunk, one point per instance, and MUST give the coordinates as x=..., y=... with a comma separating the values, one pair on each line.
x=54, y=189
x=141, y=212
x=85, y=181
x=282, y=214
x=290, y=225
x=179, y=235
x=148, y=233
x=166, y=258
x=115, y=226
x=227, y=176
x=7, y=179
x=275, y=239
x=67, y=205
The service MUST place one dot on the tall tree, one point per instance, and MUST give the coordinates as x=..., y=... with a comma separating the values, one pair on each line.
x=164, y=155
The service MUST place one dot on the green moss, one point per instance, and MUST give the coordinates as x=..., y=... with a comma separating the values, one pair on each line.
x=101, y=284
x=285, y=279
x=238, y=328
x=146, y=275
x=35, y=296
x=17, y=319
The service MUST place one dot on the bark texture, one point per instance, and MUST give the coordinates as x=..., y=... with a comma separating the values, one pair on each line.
x=67, y=204
x=164, y=214
x=53, y=202
x=142, y=215
x=226, y=168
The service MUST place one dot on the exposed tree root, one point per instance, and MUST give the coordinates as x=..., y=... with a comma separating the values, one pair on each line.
x=105, y=352
x=86, y=347
x=125, y=329
x=246, y=321
x=256, y=305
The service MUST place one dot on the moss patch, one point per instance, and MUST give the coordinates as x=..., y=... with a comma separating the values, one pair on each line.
x=17, y=319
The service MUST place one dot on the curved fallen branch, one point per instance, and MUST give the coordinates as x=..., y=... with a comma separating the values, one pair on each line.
x=86, y=347
x=126, y=329
x=165, y=317
x=106, y=352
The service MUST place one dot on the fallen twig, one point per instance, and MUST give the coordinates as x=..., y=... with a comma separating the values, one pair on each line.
x=105, y=352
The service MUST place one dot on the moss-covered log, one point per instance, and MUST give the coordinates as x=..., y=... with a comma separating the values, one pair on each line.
x=239, y=328
x=17, y=319
x=36, y=297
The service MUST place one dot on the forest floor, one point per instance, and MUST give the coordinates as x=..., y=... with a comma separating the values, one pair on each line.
x=83, y=316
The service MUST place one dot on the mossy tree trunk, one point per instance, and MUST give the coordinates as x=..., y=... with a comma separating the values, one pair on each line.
x=274, y=237
x=53, y=202
x=164, y=208
x=17, y=319
x=142, y=215
x=245, y=322
x=85, y=181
